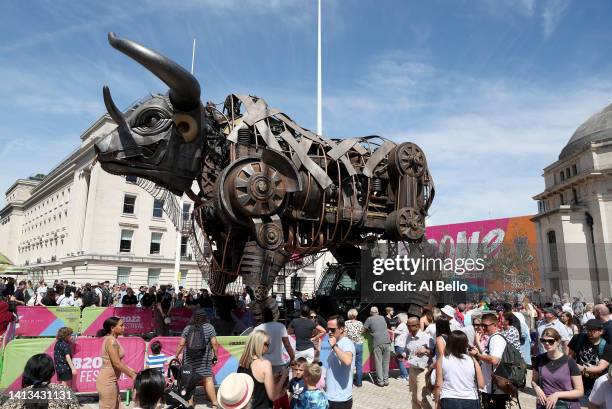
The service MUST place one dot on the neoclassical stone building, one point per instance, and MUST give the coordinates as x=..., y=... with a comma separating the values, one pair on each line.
x=81, y=224
x=574, y=220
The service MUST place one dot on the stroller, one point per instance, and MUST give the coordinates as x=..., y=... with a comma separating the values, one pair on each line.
x=180, y=386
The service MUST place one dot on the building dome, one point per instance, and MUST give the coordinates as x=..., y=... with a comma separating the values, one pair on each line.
x=597, y=128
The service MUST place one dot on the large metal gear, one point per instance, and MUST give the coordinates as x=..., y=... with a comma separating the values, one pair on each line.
x=406, y=223
x=408, y=159
x=255, y=188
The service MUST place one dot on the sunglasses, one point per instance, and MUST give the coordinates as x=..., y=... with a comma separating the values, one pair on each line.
x=331, y=330
x=312, y=317
x=548, y=341
x=266, y=344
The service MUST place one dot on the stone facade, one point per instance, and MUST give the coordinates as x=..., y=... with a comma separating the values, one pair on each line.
x=70, y=225
x=574, y=220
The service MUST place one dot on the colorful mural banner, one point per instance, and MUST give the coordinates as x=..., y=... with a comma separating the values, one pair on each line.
x=508, y=244
x=86, y=358
x=45, y=321
x=179, y=318
x=228, y=354
x=137, y=320
x=92, y=319
x=88, y=361
x=19, y=351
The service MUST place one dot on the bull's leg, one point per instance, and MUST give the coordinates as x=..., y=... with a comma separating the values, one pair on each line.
x=259, y=269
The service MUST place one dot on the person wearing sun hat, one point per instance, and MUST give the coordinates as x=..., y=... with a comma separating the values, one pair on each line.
x=449, y=312
x=235, y=391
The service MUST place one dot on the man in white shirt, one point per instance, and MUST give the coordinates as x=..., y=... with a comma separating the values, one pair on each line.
x=551, y=321
x=419, y=349
x=492, y=397
x=601, y=395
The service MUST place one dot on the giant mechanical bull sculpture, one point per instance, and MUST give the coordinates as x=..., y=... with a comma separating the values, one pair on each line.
x=268, y=189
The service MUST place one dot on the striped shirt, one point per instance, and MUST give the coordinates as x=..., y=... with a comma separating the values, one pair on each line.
x=156, y=361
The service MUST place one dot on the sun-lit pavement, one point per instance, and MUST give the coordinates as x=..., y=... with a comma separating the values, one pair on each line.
x=394, y=396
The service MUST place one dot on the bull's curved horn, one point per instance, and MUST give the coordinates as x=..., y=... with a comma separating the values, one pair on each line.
x=112, y=109
x=184, y=87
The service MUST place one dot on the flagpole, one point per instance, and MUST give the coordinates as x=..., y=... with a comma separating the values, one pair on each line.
x=319, y=77
x=179, y=227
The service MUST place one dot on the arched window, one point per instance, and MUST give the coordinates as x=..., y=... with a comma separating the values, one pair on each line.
x=552, y=251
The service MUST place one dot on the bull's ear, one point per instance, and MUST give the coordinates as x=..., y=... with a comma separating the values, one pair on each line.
x=187, y=126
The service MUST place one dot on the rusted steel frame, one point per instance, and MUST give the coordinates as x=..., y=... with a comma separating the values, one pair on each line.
x=322, y=217
x=333, y=237
x=224, y=253
x=307, y=191
x=206, y=236
x=350, y=227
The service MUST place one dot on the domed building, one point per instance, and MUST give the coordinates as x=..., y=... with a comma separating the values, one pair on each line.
x=574, y=220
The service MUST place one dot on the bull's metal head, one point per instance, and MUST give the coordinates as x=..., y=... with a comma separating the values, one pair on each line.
x=162, y=138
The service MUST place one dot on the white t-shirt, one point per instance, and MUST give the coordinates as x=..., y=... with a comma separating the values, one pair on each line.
x=431, y=330
x=276, y=331
x=496, y=347
x=459, y=378
x=66, y=301
x=587, y=316
x=400, y=335
x=602, y=392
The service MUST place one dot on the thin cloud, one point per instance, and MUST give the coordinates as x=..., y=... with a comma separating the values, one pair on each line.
x=486, y=139
x=552, y=13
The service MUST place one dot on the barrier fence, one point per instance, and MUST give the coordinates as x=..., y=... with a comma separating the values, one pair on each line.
x=87, y=358
x=45, y=321
x=42, y=322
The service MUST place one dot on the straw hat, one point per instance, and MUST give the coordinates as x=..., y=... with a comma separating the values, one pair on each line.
x=235, y=391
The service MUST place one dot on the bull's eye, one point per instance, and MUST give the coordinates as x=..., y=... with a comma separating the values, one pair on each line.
x=152, y=121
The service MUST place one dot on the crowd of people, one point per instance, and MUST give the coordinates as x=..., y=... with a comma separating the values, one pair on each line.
x=449, y=357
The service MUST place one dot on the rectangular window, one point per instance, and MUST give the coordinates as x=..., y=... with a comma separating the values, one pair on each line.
x=562, y=175
x=567, y=173
x=123, y=274
x=182, y=278
x=158, y=208
x=131, y=179
x=155, y=243
x=186, y=211
x=129, y=204
x=126, y=241
x=184, y=244
x=153, y=276
x=574, y=170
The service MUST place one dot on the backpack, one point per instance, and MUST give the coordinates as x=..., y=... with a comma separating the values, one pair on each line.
x=601, y=347
x=511, y=373
x=90, y=298
x=107, y=297
x=196, y=340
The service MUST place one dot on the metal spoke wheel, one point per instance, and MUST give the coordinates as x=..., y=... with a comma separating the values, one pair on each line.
x=406, y=223
x=409, y=159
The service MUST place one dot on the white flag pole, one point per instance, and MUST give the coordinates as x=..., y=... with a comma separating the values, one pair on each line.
x=179, y=228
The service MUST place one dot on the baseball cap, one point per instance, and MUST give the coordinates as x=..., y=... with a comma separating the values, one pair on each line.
x=594, y=323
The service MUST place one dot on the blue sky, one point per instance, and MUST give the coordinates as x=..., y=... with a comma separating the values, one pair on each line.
x=491, y=89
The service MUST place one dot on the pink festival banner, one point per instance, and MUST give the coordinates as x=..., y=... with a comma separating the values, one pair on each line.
x=88, y=361
x=137, y=320
x=179, y=318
